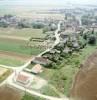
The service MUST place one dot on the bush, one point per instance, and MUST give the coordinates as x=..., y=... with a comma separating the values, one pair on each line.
x=38, y=25
x=3, y=24
x=92, y=40
x=85, y=36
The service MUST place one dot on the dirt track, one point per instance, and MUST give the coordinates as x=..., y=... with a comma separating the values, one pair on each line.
x=85, y=84
x=9, y=94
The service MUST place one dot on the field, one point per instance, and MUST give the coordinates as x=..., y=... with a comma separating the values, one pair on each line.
x=84, y=86
x=18, y=47
x=29, y=12
x=7, y=93
x=14, y=42
x=12, y=59
x=4, y=73
x=25, y=33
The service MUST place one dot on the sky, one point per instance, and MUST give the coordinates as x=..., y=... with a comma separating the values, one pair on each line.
x=48, y=2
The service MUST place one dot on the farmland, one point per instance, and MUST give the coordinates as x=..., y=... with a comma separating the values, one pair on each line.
x=15, y=41
x=23, y=33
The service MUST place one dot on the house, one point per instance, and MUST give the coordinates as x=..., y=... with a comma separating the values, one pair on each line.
x=53, y=51
x=23, y=79
x=41, y=60
x=67, y=50
x=75, y=45
x=37, y=69
x=63, y=35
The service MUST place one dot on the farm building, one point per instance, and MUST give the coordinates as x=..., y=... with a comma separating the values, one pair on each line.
x=37, y=69
x=23, y=79
x=41, y=60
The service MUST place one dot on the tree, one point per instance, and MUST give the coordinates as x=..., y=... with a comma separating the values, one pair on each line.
x=38, y=25
x=92, y=31
x=92, y=40
x=85, y=36
x=3, y=23
x=46, y=29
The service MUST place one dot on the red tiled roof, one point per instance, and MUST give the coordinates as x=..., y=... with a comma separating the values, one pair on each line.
x=37, y=68
x=22, y=78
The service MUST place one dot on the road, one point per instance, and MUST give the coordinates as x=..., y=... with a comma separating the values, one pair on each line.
x=9, y=80
x=56, y=41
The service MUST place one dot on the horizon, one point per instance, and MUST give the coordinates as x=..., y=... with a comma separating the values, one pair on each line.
x=47, y=2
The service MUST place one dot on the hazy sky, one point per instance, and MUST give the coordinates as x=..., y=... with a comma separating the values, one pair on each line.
x=48, y=2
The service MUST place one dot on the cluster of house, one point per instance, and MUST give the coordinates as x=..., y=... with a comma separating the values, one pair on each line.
x=25, y=79
x=71, y=37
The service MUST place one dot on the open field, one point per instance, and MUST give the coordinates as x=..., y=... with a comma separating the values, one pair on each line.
x=30, y=12
x=62, y=78
x=7, y=93
x=12, y=59
x=85, y=82
x=18, y=47
x=15, y=40
x=22, y=33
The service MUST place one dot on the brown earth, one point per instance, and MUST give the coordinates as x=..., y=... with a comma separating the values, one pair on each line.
x=85, y=83
x=14, y=55
x=7, y=93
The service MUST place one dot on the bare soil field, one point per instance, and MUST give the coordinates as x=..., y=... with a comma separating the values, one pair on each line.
x=7, y=93
x=85, y=83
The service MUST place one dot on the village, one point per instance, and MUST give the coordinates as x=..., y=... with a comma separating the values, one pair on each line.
x=64, y=38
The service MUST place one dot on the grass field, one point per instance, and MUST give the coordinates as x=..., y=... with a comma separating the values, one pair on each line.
x=62, y=78
x=11, y=61
x=15, y=41
x=18, y=47
x=24, y=33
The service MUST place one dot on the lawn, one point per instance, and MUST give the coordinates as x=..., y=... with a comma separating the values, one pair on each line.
x=62, y=78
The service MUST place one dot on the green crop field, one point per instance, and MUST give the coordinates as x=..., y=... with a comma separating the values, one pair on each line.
x=10, y=61
x=15, y=40
x=18, y=47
